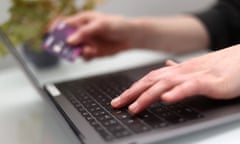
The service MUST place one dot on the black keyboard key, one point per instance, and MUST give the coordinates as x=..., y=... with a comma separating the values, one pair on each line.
x=167, y=114
x=136, y=125
x=132, y=122
x=121, y=115
x=158, y=110
x=187, y=112
x=172, y=117
x=152, y=120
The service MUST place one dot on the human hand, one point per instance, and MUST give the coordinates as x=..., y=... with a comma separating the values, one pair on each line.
x=101, y=34
x=215, y=75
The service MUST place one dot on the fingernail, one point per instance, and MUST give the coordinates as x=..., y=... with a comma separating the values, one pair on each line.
x=115, y=102
x=167, y=97
x=133, y=108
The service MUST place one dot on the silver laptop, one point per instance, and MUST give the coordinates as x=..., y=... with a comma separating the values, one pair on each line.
x=84, y=103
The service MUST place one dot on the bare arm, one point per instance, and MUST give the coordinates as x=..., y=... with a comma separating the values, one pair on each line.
x=177, y=34
x=109, y=34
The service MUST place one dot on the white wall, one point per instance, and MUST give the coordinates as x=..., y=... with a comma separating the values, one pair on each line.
x=132, y=8
x=153, y=7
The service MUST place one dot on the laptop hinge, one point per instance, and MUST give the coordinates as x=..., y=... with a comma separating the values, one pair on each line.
x=53, y=90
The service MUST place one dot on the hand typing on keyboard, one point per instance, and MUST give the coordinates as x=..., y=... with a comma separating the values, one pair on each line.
x=91, y=97
x=204, y=75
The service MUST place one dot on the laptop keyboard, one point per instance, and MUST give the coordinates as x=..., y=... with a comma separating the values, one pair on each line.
x=92, y=97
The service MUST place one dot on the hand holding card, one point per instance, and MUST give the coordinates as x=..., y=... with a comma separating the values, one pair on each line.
x=56, y=44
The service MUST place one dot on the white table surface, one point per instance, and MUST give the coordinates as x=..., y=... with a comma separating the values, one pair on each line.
x=26, y=118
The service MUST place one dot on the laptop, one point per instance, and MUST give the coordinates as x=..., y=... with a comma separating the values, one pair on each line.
x=84, y=102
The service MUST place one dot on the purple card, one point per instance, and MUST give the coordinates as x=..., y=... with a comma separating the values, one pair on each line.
x=55, y=43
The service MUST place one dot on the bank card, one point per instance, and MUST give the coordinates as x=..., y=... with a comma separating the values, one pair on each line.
x=55, y=43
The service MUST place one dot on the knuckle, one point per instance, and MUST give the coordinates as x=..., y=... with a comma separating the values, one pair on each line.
x=153, y=73
x=196, y=82
x=154, y=76
x=150, y=77
x=149, y=80
x=167, y=80
x=146, y=95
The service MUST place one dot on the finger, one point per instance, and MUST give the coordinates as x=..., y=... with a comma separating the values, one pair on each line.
x=79, y=19
x=89, y=52
x=84, y=32
x=181, y=91
x=170, y=63
x=133, y=92
x=128, y=96
x=149, y=96
x=140, y=86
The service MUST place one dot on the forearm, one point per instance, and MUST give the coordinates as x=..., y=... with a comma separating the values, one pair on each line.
x=178, y=34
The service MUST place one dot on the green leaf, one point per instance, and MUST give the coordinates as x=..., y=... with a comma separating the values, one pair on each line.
x=28, y=18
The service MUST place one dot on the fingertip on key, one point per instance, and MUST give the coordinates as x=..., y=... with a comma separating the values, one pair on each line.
x=116, y=102
x=134, y=108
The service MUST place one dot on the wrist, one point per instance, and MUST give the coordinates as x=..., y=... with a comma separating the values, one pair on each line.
x=149, y=32
x=139, y=29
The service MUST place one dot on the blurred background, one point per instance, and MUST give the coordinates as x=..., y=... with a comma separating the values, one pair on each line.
x=131, y=8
